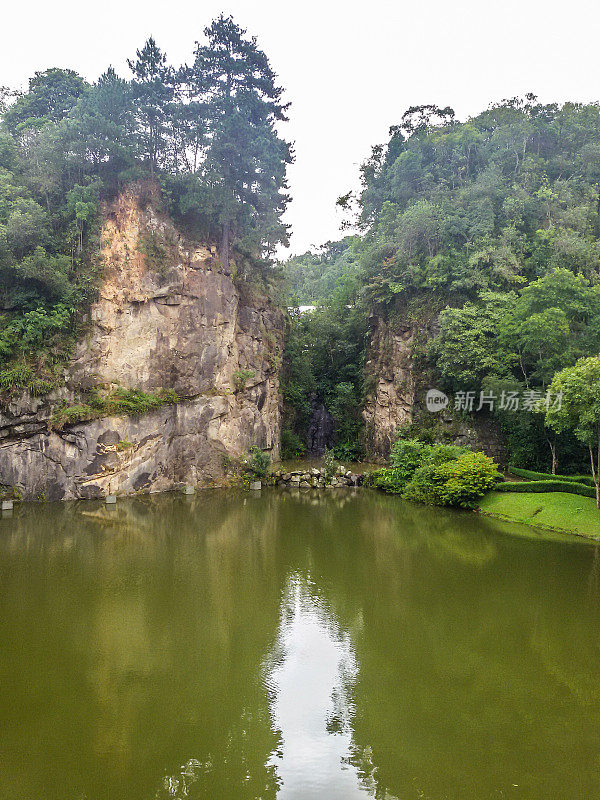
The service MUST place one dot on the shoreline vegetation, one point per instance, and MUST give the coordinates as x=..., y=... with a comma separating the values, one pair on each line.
x=546, y=513
x=450, y=476
x=556, y=512
x=559, y=503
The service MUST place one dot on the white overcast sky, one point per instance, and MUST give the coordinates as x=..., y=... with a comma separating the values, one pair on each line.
x=350, y=69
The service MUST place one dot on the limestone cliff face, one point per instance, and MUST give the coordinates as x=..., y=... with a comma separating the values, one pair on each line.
x=396, y=389
x=167, y=316
x=390, y=396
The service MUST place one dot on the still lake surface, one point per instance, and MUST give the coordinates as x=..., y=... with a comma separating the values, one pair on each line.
x=343, y=645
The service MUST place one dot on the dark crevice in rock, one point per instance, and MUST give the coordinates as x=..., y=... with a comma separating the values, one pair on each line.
x=320, y=429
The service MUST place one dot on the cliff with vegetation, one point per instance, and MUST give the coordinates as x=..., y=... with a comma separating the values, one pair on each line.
x=398, y=376
x=390, y=394
x=138, y=224
x=477, y=270
x=173, y=341
x=138, y=219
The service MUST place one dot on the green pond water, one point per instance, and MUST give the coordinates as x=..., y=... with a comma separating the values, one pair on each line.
x=342, y=645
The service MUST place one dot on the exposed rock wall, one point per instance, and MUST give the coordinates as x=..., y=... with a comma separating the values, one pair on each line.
x=390, y=379
x=167, y=316
x=396, y=389
x=320, y=433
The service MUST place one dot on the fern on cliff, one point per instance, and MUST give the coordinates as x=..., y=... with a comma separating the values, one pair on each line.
x=115, y=402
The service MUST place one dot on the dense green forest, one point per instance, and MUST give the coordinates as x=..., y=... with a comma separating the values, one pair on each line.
x=485, y=233
x=331, y=274
x=206, y=131
x=324, y=355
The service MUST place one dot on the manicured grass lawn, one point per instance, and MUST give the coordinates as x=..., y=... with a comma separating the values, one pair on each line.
x=555, y=510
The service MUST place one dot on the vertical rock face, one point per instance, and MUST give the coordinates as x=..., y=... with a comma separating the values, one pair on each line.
x=320, y=429
x=396, y=390
x=390, y=385
x=167, y=316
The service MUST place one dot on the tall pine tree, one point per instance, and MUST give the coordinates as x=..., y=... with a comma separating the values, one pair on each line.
x=246, y=160
x=153, y=92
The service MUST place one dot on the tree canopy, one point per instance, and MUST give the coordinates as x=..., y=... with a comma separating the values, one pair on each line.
x=207, y=132
x=494, y=222
x=486, y=233
x=492, y=203
x=579, y=409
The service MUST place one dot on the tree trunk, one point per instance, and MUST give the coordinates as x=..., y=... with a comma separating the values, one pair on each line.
x=225, y=247
x=597, y=478
x=595, y=475
x=554, y=459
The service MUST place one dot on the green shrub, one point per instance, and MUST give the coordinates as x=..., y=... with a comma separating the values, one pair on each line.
x=258, y=462
x=16, y=377
x=329, y=463
x=539, y=486
x=348, y=451
x=407, y=453
x=441, y=453
x=22, y=376
x=391, y=480
x=133, y=401
x=458, y=483
x=292, y=445
x=407, y=456
x=70, y=415
x=116, y=402
x=546, y=476
x=240, y=377
x=369, y=479
x=34, y=330
x=38, y=387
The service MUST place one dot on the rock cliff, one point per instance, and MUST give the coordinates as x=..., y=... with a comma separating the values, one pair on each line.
x=397, y=382
x=390, y=396
x=168, y=315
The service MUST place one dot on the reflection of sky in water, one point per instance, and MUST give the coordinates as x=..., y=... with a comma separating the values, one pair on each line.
x=309, y=679
x=167, y=654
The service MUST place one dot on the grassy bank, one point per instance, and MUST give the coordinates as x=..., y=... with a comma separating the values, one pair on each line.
x=552, y=510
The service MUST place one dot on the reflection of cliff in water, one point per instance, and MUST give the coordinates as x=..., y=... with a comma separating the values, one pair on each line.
x=292, y=644
x=320, y=428
x=144, y=608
